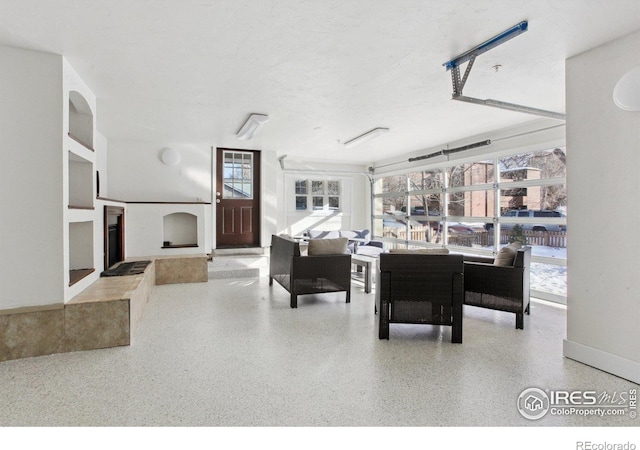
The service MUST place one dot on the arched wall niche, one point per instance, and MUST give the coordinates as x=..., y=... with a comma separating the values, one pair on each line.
x=179, y=229
x=80, y=119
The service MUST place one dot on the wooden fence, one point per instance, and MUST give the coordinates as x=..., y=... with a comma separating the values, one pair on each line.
x=557, y=239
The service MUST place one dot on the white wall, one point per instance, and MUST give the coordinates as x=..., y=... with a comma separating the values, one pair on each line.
x=355, y=198
x=31, y=178
x=144, y=228
x=603, y=142
x=101, y=145
x=270, y=202
x=136, y=172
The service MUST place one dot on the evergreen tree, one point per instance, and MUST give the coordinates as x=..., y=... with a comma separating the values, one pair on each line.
x=517, y=235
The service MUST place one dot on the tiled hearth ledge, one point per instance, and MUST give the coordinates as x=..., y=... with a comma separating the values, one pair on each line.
x=104, y=315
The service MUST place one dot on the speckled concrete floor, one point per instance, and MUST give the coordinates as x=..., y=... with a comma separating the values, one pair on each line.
x=231, y=352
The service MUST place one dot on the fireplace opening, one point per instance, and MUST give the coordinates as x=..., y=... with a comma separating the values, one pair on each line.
x=113, y=235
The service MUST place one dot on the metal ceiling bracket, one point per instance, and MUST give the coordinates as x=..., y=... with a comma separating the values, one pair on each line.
x=470, y=57
x=458, y=84
x=509, y=106
x=488, y=45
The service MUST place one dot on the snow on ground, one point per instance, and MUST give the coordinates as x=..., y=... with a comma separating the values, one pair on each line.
x=549, y=278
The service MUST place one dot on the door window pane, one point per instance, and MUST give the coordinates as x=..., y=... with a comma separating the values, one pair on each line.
x=237, y=175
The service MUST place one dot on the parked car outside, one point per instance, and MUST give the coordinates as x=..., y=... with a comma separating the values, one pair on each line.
x=529, y=213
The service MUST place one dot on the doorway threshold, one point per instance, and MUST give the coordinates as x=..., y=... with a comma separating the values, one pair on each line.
x=236, y=251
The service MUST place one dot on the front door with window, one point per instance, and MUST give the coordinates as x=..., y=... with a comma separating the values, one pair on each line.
x=237, y=198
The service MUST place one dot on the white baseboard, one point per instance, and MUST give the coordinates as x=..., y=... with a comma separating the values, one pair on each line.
x=613, y=364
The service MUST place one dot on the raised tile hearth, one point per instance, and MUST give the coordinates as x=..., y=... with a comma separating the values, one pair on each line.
x=106, y=314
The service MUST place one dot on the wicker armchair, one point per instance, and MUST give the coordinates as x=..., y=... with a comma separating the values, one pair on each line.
x=421, y=289
x=307, y=274
x=503, y=288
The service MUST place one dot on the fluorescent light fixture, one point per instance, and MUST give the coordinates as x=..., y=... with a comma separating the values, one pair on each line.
x=251, y=126
x=366, y=137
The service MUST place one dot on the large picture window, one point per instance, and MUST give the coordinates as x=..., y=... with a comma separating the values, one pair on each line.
x=317, y=195
x=478, y=207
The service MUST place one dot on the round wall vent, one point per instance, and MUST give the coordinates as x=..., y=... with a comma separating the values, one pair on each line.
x=170, y=157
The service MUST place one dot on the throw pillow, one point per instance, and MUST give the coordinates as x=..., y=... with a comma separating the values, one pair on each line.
x=336, y=246
x=507, y=255
x=420, y=251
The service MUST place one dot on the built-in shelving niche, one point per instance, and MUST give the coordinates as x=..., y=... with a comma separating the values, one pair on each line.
x=80, y=120
x=80, y=251
x=80, y=182
x=179, y=230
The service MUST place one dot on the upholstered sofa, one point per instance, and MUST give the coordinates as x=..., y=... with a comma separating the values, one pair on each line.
x=325, y=268
x=501, y=283
x=359, y=240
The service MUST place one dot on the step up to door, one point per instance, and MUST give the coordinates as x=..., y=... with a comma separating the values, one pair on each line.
x=240, y=251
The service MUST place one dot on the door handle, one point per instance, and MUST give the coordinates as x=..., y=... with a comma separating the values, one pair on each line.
x=217, y=200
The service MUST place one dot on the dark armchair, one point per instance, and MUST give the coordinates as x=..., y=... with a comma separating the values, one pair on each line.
x=421, y=289
x=502, y=287
x=308, y=274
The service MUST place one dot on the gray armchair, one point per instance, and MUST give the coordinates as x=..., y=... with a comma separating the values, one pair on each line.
x=501, y=287
x=307, y=274
x=421, y=289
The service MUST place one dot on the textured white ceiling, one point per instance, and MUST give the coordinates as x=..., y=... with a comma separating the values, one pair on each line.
x=325, y=71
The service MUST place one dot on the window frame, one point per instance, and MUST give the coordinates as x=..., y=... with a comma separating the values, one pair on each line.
x=405, y=237
x=318, y=200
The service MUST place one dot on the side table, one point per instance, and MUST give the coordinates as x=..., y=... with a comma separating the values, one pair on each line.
x=369, y=265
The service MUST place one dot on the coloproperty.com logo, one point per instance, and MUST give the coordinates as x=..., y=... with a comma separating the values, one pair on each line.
x=535, y=403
